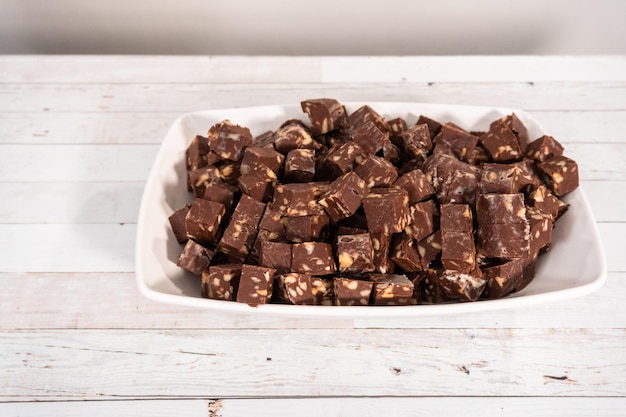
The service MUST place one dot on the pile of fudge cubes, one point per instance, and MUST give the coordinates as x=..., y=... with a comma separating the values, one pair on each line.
x=355, y=209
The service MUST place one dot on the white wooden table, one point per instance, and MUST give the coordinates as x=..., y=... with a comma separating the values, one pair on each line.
x=77, y=138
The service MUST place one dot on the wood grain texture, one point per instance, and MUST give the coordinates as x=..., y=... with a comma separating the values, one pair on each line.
x=326, y=407
x=182, y=98
x=220, y=69
x=378, y=362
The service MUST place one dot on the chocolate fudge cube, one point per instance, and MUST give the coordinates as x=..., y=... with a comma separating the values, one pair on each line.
x=255, y=251
x=313, y=258
x=431, y=288
x=300, y=165
x=293, y=134
x=433, y=126
x=416, y=185
x=561, y=174
x=377, y=172
x=272, y=222
x=352, y=292
x=404, y=253
x=456, y=141
x=528, y=272
x=276, y=255
x=458, y=252
x=365, y=114
x=296, y=199
x=540, y=224
x=258, y=184
x=503, y=240
x=387, y=210
x=507, y=178
x=340, y=160
x=517, y=127
x=478, y=156
x=221, y=193
x=355, y=253
x=296, y=288
x=543, y=199
x=229, y=140
x=416, y=141
x=200, y=178
x=465, y=286
x=456, y=218
x=196, y=153
x=325, y=114
x=249, y=211
x=255, y=158
x=369, y=137
x=323, y=291
x=500, y=208
x=380, y=244
x=230, y=172
x=264, y=140
x=306, y=228
x=220, y=282
x=195, y=258
x=396, y=126
x=240, y=234
x=202, y=221
x=255, y=285
x=422, y=222
x=391, y=289
x=454, y=181
x=501, y=143
x=429, y=249
x=392, y=153
x=177, y=222
x=344, y=196
x=501, y=279
x=543, y=148
x=237, y=241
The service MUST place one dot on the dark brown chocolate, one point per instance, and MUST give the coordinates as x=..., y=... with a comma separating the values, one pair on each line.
x=355, y=253
x=255, y=285
x=229, y=140
x=325, y=114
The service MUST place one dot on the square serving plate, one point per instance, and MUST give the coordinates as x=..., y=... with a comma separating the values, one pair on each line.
x=574, y=266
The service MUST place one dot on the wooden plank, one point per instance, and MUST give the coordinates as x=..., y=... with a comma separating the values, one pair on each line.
x=85, y=163
x=219, y=69
x=47, y=365
x=69, y=163
x=473, y=69
x=70, y=202
x=324, y=407
x=107, y=408
x=76, y=69
x=102, y=127
x=67, y=247
x=424, y=406
x=607, y=96
x=98, y=127
x=31, y=301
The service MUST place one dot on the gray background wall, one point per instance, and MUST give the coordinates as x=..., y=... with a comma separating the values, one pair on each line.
x=313, y=27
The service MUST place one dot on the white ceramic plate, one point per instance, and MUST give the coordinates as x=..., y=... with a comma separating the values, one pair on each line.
x=575, y=265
